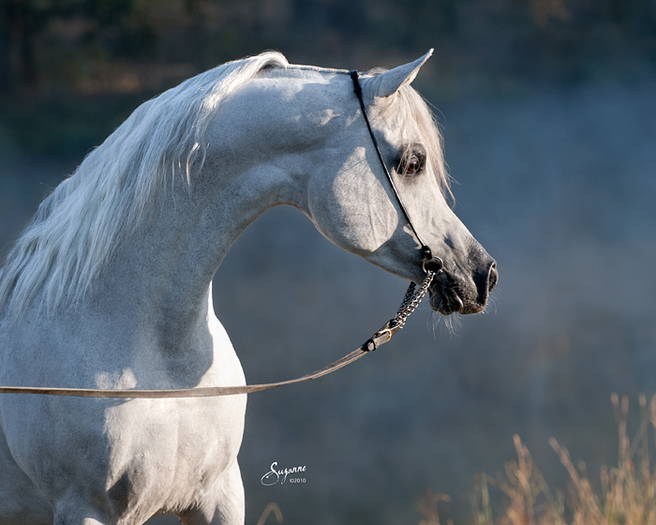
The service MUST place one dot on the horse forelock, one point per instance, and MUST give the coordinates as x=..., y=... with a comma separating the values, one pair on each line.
x=77, y=227
x=421, y=126
x=414, y=119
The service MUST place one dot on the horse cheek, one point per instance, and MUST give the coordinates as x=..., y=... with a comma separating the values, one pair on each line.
x=354, y=210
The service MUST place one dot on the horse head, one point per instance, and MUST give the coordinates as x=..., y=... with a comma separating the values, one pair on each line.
x=359, y=209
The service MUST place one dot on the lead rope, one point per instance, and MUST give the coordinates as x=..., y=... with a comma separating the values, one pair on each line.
x=432, y=266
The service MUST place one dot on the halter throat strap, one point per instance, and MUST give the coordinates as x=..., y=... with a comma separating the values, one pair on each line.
x=426, y=253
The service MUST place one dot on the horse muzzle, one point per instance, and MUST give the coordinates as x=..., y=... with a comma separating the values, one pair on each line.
x=466, y=293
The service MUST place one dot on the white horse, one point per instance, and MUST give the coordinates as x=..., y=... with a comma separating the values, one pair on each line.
x=110, y=284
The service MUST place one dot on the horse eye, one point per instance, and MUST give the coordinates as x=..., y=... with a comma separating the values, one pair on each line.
x=411, y=164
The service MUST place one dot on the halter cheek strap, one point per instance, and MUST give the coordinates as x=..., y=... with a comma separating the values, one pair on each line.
x=431, y=263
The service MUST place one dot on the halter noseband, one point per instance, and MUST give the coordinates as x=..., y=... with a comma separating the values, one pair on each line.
x=434, y=264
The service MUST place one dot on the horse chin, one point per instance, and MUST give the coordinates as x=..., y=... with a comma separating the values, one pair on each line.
x=447, y=297
x=444, y=303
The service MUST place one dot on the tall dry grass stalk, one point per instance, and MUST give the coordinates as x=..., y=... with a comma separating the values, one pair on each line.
x=427, y=507
x=270, y=508
x=627, y=494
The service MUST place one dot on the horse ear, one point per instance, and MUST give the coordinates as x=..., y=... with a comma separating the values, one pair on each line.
x=391, y=81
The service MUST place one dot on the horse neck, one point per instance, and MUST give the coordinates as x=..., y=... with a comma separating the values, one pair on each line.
x=257, y=158
x=162, y=274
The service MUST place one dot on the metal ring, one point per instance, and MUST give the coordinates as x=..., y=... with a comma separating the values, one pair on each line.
x=435, y=265
x=387, y=332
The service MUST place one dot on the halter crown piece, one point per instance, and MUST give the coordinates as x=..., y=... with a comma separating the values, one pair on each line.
x=432, y=266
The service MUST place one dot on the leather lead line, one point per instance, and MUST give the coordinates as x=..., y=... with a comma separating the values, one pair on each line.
x=410, y=302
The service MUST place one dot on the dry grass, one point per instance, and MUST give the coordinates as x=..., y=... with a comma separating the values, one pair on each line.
x=627, y=493
x=427, y=506
x=270, y=508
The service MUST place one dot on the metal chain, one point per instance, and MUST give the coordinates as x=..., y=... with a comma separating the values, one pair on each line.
x=412, y=299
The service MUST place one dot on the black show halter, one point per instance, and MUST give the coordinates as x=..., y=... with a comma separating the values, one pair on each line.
x=432, y=266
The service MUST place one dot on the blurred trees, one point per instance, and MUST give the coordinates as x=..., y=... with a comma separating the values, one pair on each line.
x=71, y=70
x=52, y=40
x=86, y=44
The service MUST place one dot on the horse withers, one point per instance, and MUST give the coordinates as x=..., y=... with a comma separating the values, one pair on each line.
x=110, y=284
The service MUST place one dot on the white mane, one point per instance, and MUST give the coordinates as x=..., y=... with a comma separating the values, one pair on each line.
x=76, y=228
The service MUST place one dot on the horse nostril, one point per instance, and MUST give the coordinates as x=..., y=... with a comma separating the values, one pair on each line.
x=493, y=277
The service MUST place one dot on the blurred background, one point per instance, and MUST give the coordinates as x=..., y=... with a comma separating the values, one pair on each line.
x=548, y=109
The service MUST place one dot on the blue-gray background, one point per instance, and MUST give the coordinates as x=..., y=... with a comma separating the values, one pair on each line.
x=549, y=115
